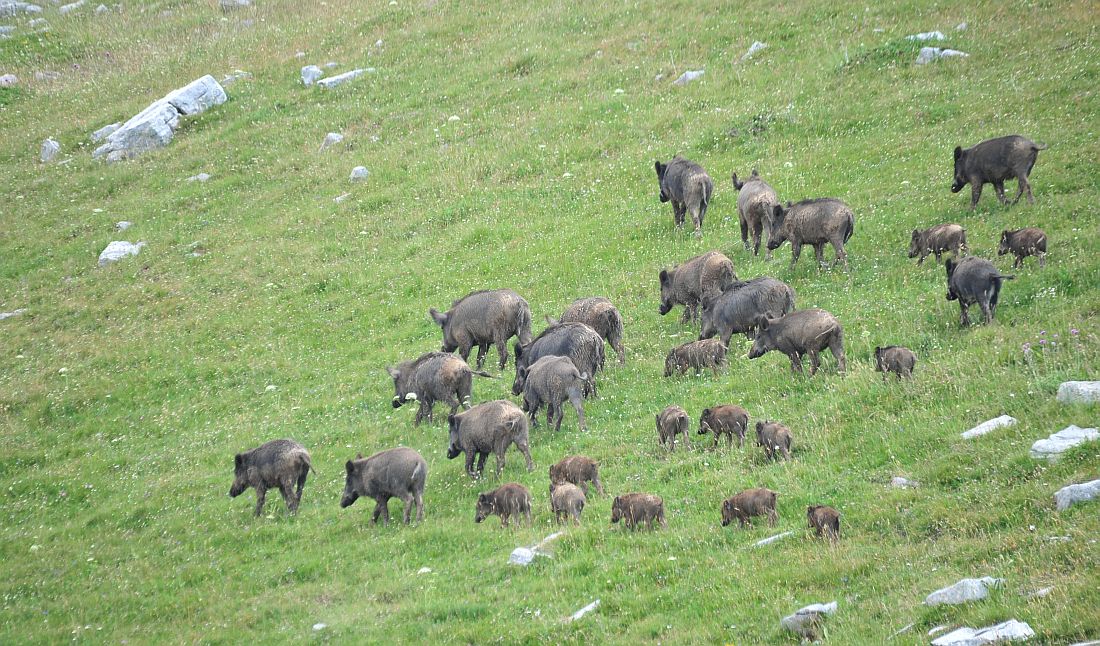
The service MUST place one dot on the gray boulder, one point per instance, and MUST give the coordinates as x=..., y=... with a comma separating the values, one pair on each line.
x=340, y=78
x=9, y=80
x=806, y=621
x=46, y=75
x=69, y=8
x=1066, y=497
x=11, y=8
x=6, y=31
x=688, y=77
x=200, y=178
x=197, y=96
x=964, y=591
x=899, y=482
x=1079, y=392
x=118, y=250
x=359, y=173
x=49, y=151
x=237, y=75
x=102, y=9
x=928, y=54
x=1011, y=630
x=8, y=315
x=928, y=35
x=228, y=5
x=1065, y=439
x=104, y=132
x=989, y=426
x=310, y=74
x=331, y=139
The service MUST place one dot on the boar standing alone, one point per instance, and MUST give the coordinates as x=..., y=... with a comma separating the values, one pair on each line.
x=708, y=353
x=825, y=520
x=489, y=427
x=671, y=421
x=580, y=343
x=578, y=470
x=774, y=438
x=993, y=161
x=566, y=499
x=704, y=276
x=798, y=333
x=688, y=187
x=895, y=359
x=278, y=463
x=394, y=473
x=432, y=377
x=725, y=420
x=507, y=500
x=756, y=203
x=974, y=280
x=937, y=240
x=741, y=305
x=599, y=314
x=813, y=222
x=637, y=508
x=1023, y=243
x=552, y=380
x=748, y=503
x=482, y=318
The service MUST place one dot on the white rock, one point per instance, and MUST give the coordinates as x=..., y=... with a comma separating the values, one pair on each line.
x=235, y=4
x=688, y=77
x=69, y=8
x=118, y=250
x=424, y=570
x=340, y=78
x=237, y=75
x=753, y=49
x=122, y=226
x=1040, y=593
x=1079, y=392
x=928, y=35
x=1011, y=630
x=805, y=621
x=46, y=75
x=310, y=74
x=1065, y=439
x=341, y=197
x=988, y=426
x=197, y=96
x=101, y=9
x=524, y=555
x=49, y=151
x=937, y=629
x=772, y=539
x=1065, y=497
x=9, y=80
x=585, y=610
x=36, y=22
x=899, y=482
x=961, y=26
x=6, y=31
x=8, y=315
x=271, y=388
x=201, y=177
x=11, y=8
x=454, y=117
x=300, y=55
x=319, y=626
x=331, y=139
x=929, y=54
x=331, y=64
x=359, y=173
x=964, y=591
x=1095, y=642
x=104, y=132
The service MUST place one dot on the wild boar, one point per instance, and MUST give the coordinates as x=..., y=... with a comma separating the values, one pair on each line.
x=895, y=359
x=703, y=276
x=798, y=333
x=551, y=380
x=740, y=306
x=578, y=470
x=671, y=421
x=482, y=318
x=937, y=240
x=708, y=353
x=974, y=280
x=993, y=161
x=813, y=222
x=580, y=343
x=1023, y=243
x=774, y=438
x=688, y=187
x=756, y=202
x=749, y=503
x=490, y=427
x=506, y=501
x=432, y=377
x=393, y=473
x=278, y=463
x=725, y=420
x=566, y=500
x=825, y=520
x=599, y=314
x=637, y=508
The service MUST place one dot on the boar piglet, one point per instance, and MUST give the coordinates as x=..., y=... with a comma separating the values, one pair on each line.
x=825, y=520
x=278, y=463
x=798, y=333
x=688, y=187
x=432, y=377
x=937, y=240
x=506, y=501
x=637, y=508
x=482, y=318
x=813, y=222
x=993, y=161
x=895, y=359
x=974, y=280
x=749, y=503
x=490, y=427
x=774, y=438
x=1023, y=243
x=578, y=470
x=393, y=473
x=551, y=380
x=737, y=309
x=582, y=344
x=566, y=500
x=704, y=276
x=671, y=421
x=697, y=355
x=756, y=202
x=725, y=420
x=599, y=314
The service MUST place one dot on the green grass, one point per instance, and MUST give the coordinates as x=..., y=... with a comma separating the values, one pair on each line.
x=114, y=471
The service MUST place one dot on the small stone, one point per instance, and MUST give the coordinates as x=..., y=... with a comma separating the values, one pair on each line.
x=117, y=250
x=46, y=76
x=1065, y=439
x=929, y=54
x=1040, y=593
x=6, y=31
x=585, y=610
x=988, y=426
x=228, y=5
x=1067, y=496
x=1079, y=392
x=319, y=627
x=928, y=35
x=8, y=315
x=102, y=9
x=753, y=49
x=300, y=55
x=424, y=570
x=961, y=26
x=49, y=151
x=237, y=75
x=331, y=64
x=104, y=132
x=9, y=80
x=1011, y=630
x=359, y=173
x=122, y=226
x=331, y=139
x=340, y=78
x=69, y=8
x=964, y=591
x=806, y=621
x=341, y=197
x=454, y=117
x=62, y=371
x=38, y=22
x=619, y=90
x=35, y=548
x=270, y=388
x=201, y=177
x=771, y=539
x=899, y=482
x=310, y=74
x=688, y=77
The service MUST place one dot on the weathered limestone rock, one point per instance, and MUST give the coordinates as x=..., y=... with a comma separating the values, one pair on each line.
x=359, y=173
x=689, y=76
x=331, y=139
x=340, y=78
x=310, y=74
x=806, y=621
x=1011, y=630
x=1065, y=439
x=49, y=151
x=1067, y=496
x=9, y=80
x=118, y=250
x=991, y=425
x=104, y=132
x=928, y=54
x=11, y=8
x=964, y=591
x=69, y=8
x=1079, y=392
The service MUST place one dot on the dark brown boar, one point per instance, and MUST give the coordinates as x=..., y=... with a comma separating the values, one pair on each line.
x=578, y=470
x=974, y=280
x=703, y=276
x=798, y=333
x=278, y=463
x=482, y=318
x=749, y=503
x=813, y=222
x=490, y=427
x=774, y=438
x=756, y=202
x=825, y=520
x=599, y=314
x=671, y=421
x=688, y=187
x=506, y=501
x=1023, y=243
x=637, y=508
x=895, y=359
x=432, y=377
x=566, y=500
x=737, y=309
x=708, y=353
x=580, y=343
x=937, y=240
x=393, y=473
x=725, y=420
x=993, y=161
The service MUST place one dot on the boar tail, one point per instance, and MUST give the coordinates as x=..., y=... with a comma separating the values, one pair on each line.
x=482, y=373
x=708, y=188
x=1039, y=147
x=849, y=226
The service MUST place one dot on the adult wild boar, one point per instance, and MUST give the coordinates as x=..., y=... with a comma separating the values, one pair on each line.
x=937, y=240
x=278, y=463
x=490, y=427
x=1023, y=243
x=895, y=359
x=688, y=187
x=813, y=222
x=637, y=508
x=749, y=503
x=482, y=318
x=566, y=500
x=552, y=380
x=393, y=473
x=703, y=276
x=725, y=420
x=756, y=202
x=825, y=520
x=580, y=343
x=671, y=421
x=577, y=469
x=774, y=438
x=993, y=161
x=974, y=280
x=599, y=314
x=798, y=333
x=738, y=309
x=708, y=353
x=432, y=377
x=506, y=501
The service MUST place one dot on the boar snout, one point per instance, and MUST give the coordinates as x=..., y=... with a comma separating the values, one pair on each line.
x=347, y=500
x=237, y=489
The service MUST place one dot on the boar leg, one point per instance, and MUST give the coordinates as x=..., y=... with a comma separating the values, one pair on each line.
x=975, y=192
x=408, y=500
x=923, y=255
x=422, y=411
x=819, y=253
x=1042, y=258
x=757, y=233
x=836, y=346
x=482, y=348
x=1000, y=188
x=1019, y=261
x=502, y=350
x=286, y=488
x=578, y=405
x=796, y=250
x=678, y=211
x=987, y=311
x=481, y=458
x=796, y=362
x=470, y=463
x=744, y=232
x=379, y=507
x=964, y=317
x=526, y=451
x=773, y=517
x=1025, y=185
x=261, y=493
x=418, y=498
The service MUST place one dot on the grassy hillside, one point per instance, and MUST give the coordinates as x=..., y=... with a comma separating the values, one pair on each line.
x=503, y=154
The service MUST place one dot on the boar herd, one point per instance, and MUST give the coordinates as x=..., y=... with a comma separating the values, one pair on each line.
x=561, y=363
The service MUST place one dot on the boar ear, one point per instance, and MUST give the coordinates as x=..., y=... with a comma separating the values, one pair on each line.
x=761, y=323
x=660, y=168
x=778, y=210
x=664, y=276
x=350, y=467
x=759, y=426
x=519, y=350
x=393, y=372
x=439, y=317
x=238, y=460
x=755, y=172
x=958, y=152
x=358, y=456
